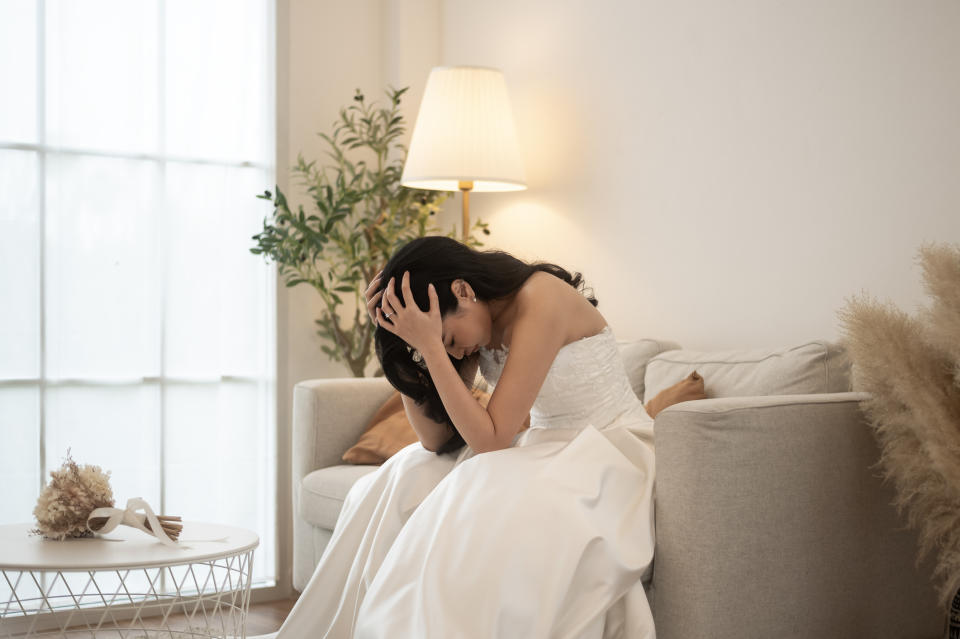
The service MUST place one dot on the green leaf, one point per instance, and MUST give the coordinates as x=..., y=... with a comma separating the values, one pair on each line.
x=329, y=351
x=340, y=240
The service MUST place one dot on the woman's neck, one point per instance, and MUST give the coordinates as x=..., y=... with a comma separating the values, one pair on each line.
x=502, y=312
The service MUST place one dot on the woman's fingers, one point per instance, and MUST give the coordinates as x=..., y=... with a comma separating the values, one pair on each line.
x=372, y=304
x=384, y=322
x=391, y=306
x=390, y=297
x=388, y=304
x=373, y=285
x=388, y=309
x=372, y=295
x=405, y=289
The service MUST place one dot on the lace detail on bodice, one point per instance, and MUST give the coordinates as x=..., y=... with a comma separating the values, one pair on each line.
x=586, y=384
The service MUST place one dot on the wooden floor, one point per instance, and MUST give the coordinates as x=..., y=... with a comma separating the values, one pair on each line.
x=262, y=618
x=268, y=617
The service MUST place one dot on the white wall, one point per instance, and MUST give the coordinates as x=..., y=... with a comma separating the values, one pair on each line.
x=725, y=174
x=333, y=48
x=325, y=51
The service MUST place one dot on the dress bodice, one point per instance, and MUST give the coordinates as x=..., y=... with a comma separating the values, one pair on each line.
x=586, y=384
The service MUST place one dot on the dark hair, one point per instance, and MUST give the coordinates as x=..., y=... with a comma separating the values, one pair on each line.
x=441, y=260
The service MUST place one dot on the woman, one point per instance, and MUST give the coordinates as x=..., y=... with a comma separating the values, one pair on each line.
x=483, y=529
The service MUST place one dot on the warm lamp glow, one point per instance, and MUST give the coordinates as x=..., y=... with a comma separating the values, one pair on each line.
x=464, y=133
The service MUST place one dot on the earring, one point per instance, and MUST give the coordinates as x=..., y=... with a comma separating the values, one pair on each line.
x=474, y=298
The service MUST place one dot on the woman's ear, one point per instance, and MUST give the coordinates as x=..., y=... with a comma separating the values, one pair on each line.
x=461, y=289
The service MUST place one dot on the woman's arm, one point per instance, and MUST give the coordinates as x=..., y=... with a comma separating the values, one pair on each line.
x=470, y=418
x=434, y=434
x=539, y=330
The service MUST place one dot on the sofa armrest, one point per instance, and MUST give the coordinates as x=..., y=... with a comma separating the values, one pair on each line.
x=329, y=416
x=772, y=520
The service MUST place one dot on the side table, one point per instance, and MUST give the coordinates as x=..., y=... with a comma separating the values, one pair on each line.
x=126, y=584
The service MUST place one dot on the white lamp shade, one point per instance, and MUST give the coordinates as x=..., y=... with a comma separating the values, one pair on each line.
x=464, y=131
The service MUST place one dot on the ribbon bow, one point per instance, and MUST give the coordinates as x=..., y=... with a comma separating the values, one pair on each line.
x=130, y=517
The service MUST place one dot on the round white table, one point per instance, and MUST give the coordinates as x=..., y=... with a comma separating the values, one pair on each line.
x=126, y=583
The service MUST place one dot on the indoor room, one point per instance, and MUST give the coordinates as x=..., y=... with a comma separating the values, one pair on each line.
x=436, y=318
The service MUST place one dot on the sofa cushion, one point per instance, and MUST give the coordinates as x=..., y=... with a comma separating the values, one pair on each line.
x=322, y=492
x=813, y=367
x=388, y=431
x=636, y=355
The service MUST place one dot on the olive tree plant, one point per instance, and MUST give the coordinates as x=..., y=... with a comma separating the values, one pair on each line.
x=358, y=216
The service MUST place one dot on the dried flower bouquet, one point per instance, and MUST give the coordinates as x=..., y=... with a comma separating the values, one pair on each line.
x=73, y=493
x=65, y=506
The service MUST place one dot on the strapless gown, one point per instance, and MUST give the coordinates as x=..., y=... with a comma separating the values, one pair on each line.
x=551, y=537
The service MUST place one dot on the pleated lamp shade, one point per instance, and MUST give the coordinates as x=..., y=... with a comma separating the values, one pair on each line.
x=464, y=133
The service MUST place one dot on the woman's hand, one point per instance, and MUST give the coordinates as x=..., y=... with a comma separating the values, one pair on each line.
x=405, y=319
x=372, y=295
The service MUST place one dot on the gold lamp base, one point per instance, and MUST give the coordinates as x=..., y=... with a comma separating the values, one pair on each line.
x=465, y=188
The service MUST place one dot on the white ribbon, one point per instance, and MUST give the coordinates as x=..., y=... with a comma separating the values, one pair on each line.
x=130, y=517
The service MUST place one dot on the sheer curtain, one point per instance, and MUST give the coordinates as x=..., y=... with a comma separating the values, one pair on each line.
x=136, y=329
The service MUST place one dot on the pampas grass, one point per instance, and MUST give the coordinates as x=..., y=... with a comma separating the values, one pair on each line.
x=911, y=368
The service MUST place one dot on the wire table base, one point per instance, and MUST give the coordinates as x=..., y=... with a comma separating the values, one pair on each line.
x=201, y=597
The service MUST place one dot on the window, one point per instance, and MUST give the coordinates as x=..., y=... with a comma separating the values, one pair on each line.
x=136, y=328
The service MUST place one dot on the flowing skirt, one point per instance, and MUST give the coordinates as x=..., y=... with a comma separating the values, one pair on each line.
x=552, y=537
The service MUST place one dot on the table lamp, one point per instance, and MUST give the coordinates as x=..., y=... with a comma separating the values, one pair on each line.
x=464, y=138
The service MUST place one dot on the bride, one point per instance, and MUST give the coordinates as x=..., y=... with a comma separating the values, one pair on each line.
x=485, y=528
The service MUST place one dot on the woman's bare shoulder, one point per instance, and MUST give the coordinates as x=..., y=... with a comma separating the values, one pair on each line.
x=573, y=315
x=542, y=285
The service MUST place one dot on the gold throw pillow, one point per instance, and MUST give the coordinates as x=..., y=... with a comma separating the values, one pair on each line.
x=389, y=431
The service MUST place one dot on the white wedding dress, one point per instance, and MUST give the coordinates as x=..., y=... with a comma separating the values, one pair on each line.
x=552, y=537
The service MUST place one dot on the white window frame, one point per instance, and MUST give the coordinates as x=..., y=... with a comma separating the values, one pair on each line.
x=277, y=12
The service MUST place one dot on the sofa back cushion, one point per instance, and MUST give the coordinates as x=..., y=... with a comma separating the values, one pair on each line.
x=813, y=367
x=636, y=354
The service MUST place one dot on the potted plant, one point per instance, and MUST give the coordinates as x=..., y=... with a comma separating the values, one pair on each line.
x=359, y=216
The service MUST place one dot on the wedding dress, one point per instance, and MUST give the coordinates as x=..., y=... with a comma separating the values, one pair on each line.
x=551, y=537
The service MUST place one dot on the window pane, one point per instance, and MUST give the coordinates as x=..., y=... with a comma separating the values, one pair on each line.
x=215, y=79
x=18, y=68
x=102, y=74
x=144, y=266
x=102, y=277
x=216, y=289
x=115, y=428
x=19, y=454
x=19, y=265
x=216, y=445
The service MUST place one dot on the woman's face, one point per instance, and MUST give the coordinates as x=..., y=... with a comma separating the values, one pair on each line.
x=468, y=328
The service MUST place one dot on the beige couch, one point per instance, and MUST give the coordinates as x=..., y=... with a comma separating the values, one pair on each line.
x=771, y=519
